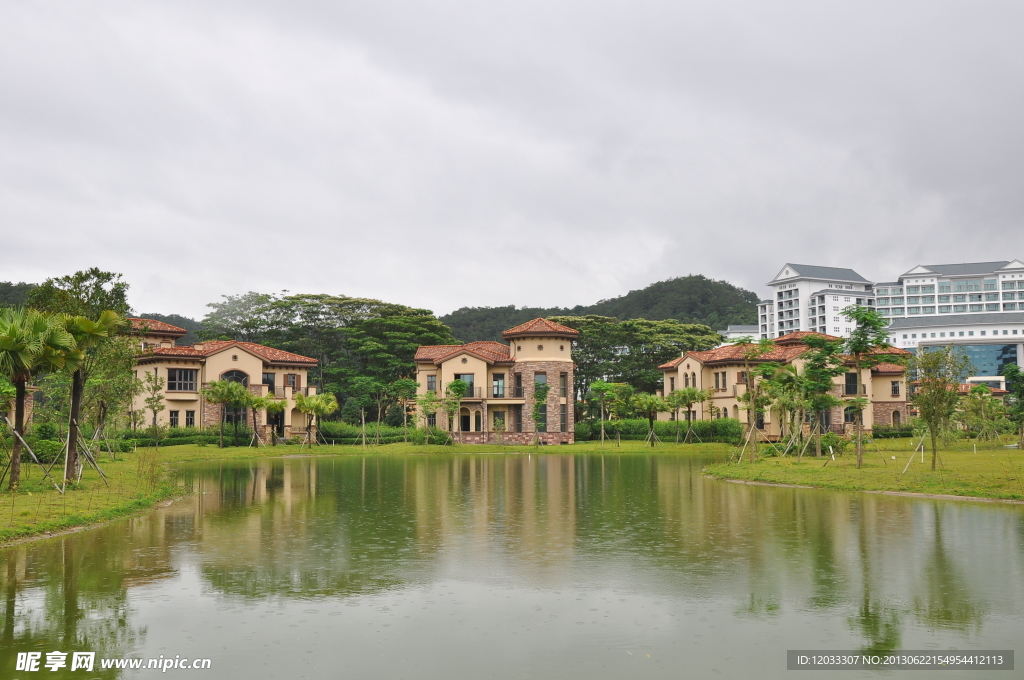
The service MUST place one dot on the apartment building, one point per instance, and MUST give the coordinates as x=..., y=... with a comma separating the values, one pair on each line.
x=810, y=298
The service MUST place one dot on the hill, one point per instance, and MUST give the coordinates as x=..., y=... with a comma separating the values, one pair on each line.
x=14, y=294
x=690, y=299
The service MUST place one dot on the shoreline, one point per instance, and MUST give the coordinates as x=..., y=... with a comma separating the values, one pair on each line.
x=909, y=494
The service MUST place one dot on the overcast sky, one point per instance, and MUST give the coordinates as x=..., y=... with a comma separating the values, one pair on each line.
x=450, y=154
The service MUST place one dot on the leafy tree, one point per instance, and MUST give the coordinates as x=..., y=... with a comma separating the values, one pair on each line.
x=783, y=387
x=867, y=344
x=246, y=317
x=631, y=350
x=30, y=341
x=316, y=407
x=87, y=293
x=622, y=400
x=685, y=399
x=649, y=406
x=540, y=409
x=754, y=402
x=981, y=413
x=14, y=294
x=273, y=407
x=823, y=362
x=936, y=392
x=452, y=402
x=226, y=393
x=153, y=386
x=601, y=391
x=403, y=391
x=395, y=415
x=350, y=411
x=427, y=404
x=1015, y=399
x=87, y=334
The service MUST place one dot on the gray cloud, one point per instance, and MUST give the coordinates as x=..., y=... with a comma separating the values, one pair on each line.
x=449, y=154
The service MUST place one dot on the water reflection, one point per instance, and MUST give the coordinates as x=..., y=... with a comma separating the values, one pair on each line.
x=644, y=544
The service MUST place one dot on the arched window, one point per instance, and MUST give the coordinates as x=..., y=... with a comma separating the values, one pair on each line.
x=686, y=379
x=236, y=376
x=693, y=379
x=896, y=416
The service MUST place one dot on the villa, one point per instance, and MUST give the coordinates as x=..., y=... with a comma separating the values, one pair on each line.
x=723, y=371
x=186, y=369
x=502, y=379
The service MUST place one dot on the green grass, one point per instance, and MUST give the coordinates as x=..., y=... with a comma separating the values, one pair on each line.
x=993, y=472
x=136, y=482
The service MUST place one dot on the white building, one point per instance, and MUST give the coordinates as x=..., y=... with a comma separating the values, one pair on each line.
x=811, y=298
x=972, y=288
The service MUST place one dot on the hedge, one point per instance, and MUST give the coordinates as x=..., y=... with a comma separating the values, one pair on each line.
x=727, y=430
x=889, y=432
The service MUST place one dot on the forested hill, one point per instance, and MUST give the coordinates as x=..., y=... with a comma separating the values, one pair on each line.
x=191, y=325
x=14, y=294
x=690, y=299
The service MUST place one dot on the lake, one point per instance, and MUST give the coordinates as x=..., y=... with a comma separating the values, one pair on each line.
x=514, y=566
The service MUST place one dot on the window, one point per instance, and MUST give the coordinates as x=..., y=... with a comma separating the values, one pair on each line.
x=944, y=299
x=468, y=379
x=913, y=310
x=174, y=418
x=913, y=290
x=914, y=300
x=542, y=420
x=291, y=380
x=517, y=417
x=851, y=383
x=540, y=378
x=943, y=309
x=1009, y=306
x=928, y=289
x=992, y=308
x=518, y=378
x=895, y=388
x=944, y=287
x=741, y=378
x=991, y=296
x=181, y=379
x=975, y=308
x=849, y=414
x=269, y=379
x=563, y=385
x=431, y=383
x=928, y=310
x=897, y=301
x=498, y=386
x=959, y=298
x=478, y=421
x=564, y=425
x=190, y=418
x=431, y=420
x=928, y=299
x=1009, y=296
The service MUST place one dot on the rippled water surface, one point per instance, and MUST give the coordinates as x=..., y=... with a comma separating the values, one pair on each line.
x=509, y=566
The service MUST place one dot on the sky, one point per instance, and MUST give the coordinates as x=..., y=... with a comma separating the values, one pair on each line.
x=447, y=154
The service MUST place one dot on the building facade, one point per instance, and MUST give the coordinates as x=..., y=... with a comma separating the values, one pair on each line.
x=811, y=298
x=723, y=372
x=187, y=369
x=503, y=379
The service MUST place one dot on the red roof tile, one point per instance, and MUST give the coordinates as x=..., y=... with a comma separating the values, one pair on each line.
x=268, y=354
x=541, y=327
x=671, y=364
x=155, y=327
x=487, y=350
x=888, y=369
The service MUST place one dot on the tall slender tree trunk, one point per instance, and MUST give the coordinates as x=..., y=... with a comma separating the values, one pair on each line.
x=860, y=416
x=71, y=461
x=19, y=427
x=817, y=434
x=223, y=413
x=935, y=448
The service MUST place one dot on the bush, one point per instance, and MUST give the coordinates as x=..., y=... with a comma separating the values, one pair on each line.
x=47, y=450
x=46, y=431
x=831, y=439
x=437, y=436
x=890, y=432
x=727, y=430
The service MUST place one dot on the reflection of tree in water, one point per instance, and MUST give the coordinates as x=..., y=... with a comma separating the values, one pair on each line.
x=946, y=602
x=877, y=623
x=71, y=594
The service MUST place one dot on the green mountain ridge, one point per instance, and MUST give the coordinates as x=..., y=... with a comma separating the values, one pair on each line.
x=691, y=299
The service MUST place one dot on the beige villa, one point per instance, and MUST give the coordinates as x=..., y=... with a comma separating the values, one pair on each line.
x=723, y=371
x=186, y=369
x=502, y=380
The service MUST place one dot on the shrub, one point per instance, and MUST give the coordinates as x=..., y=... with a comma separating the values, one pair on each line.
x=721, y=430
x=890, y=432
x=46, y=431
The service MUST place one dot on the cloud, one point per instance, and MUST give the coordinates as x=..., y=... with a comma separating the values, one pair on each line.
x=451, y=154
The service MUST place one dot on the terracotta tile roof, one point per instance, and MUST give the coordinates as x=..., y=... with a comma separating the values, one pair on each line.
x=268, y=354
x=888, y=369
x=671, y=364
x=798, y=337
x=155, y=327
x=487, y=350
x=540, y=327
x=734, y=354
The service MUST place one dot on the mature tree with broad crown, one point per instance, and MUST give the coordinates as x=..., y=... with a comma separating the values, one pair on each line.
x=87, y=293
x=936, y=394
x=866, y=344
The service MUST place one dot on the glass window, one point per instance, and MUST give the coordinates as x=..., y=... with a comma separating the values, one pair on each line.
x=914, y=300
x=1009, y=306
x=236, y=376
x=990, y=284
x=974, y=297
x=913, y=310
x=174, y=418
x=897, y=301
x=895, y=291
x=991, y=296
x=898, y=311
x=928, y=289
x=944, y=299
x=431, y=420
x=882, y=291
x=975, y=308
x=498, y=386
x=913, y=290
x=992, y=308
x=499, y=421
x=1008, y=285
x=564, y=424
x=563, y=386
x=957, y=309
x=269, y=380
x=469, y=379
x=928, y=299
x=959, y=298
x=181, y=379
x=944, y=287
x=431, y=383
x=883, y=300
x=519, y=388
x=1009, y=296
x=927, y=310
x=540, y=378
x=190, y=418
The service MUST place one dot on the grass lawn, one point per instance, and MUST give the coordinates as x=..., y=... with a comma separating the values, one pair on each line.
x=136, y=481
x=993, y=472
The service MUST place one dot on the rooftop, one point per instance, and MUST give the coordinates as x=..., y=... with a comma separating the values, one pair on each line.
x=981, y=318
x=540, y=327
x=206, y=349
x=154, y=327
x=811, y=271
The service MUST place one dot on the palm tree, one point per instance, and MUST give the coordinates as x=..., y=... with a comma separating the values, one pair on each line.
x=315, y=407
x=273, y=406
x=86, y=333
x=29, y=341
x=227, y=393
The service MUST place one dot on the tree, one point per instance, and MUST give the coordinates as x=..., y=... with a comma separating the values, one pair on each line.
x=403, y=391
x=649, y=406
x=540, y=409
x=867, y=344
x=87, y=293
x=315, y=407
x=275, y=407
x=246, y=317
x=601, y=391
x=227, y=393
x=936, y=390
x=981, y=413
x=427, y=404
x=823, y=362
x=453, y=394
x=751, y=397
x=87, y=334
x=1015, y=399
x=29, y=341
x=685, y=399
x=783, y=387
x=622, y=400
x=153, y=386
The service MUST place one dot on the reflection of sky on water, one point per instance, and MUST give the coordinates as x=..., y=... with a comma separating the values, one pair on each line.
x=510, y=565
